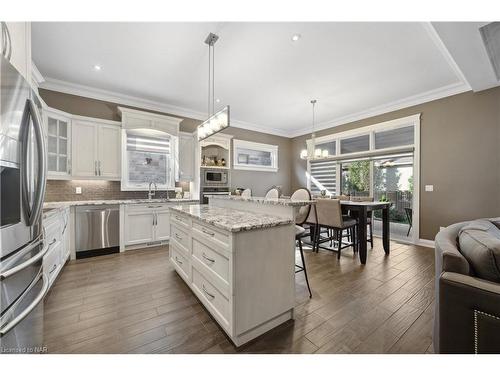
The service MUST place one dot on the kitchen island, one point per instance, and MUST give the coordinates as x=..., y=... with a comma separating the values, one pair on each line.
x=239, y=262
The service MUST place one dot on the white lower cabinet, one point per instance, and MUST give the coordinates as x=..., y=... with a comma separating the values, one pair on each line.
x=56, y=228
x=145, y=224
x=244, y=279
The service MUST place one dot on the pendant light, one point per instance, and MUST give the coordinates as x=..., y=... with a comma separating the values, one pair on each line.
x=304, y=154
x=220, y=120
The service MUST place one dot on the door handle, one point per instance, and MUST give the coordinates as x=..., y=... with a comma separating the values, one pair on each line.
x=31, y=111
x=207, y=258
x=99, y=167
x=5, y=329
x=29, y=262
x=95, y=167
x=206, y=292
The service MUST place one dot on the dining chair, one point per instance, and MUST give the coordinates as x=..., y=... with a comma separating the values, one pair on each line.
x=247, y=193
x=369, y=217
x=272, y=193
x=300, y=219
x=329, y=215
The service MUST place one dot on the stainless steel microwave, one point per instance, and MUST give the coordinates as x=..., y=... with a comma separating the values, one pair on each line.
x=215, y=177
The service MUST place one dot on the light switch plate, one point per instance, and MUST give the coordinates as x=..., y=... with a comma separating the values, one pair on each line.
x=78, y=190
x=429, y=187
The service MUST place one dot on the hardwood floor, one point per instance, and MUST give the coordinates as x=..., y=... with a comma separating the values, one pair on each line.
x=134, y=302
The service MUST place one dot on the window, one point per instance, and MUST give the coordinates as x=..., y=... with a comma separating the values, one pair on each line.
x=355, y=144
x=255, y=156
x=323, y=176
x=326, y=149
x=394, y=137
x=148, y=158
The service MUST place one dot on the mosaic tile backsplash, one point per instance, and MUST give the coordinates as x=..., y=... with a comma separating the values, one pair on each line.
x=61, y=190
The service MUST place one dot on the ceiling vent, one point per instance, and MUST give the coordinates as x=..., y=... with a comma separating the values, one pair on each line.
x=491, y=39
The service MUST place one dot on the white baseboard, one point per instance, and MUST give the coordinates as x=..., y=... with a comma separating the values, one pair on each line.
x=425, y=243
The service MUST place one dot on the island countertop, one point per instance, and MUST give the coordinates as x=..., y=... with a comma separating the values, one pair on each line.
x=230, y=219
x=262, y=200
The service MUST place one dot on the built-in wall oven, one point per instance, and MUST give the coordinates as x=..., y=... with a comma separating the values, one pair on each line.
x=22, y=190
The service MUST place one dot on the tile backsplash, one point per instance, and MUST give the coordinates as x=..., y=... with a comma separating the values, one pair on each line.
x=63, y=190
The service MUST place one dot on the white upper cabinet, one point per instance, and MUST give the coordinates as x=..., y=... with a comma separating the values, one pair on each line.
x=186, y=157
x=96, y=149
x=16, y=46
x=58, y=141
x=108, y=141
x=84, y=152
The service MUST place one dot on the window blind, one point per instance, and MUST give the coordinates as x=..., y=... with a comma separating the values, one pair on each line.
x=323, y=176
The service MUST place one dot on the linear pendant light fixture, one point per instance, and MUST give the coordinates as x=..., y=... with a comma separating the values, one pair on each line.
x=220, y=120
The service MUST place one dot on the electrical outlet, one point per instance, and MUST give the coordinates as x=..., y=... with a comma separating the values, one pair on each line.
x=429, y=187
x=78, y=190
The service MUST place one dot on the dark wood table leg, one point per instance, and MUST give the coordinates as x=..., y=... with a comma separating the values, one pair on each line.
x=385, y=229
x=362, y=233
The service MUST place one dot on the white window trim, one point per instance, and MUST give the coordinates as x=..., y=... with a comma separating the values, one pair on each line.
x=273, y=149
x=170, y=185
x=402, y=122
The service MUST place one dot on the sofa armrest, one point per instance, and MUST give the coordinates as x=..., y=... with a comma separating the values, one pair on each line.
x=469, y=314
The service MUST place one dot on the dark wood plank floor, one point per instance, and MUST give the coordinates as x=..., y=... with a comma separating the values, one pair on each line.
x=135, y=303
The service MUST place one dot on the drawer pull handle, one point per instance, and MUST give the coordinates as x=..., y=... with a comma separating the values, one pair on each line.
x=178, y=237
x=178, y=218
x=207, y=258
x=53, y=269
x=206, y=292
x=207, y=232
x=177, y=260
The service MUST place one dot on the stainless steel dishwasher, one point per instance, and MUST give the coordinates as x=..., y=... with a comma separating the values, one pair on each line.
x=97, y=230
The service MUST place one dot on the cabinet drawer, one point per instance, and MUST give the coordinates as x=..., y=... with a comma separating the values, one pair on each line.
x=213, y=261
x=181, y=220
x=181, y=263
x=213, y=300
x=146, y=207
x=181, y=237
x=206, y=232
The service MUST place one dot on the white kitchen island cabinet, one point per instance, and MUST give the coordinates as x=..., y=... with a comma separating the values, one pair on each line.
x=240, y=264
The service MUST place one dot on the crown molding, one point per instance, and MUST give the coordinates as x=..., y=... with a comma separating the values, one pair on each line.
x=122, y=99
x=36, y=76
x=442, y=92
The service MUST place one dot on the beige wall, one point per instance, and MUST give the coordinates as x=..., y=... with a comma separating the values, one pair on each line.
x=259, y=182
x=460, y=156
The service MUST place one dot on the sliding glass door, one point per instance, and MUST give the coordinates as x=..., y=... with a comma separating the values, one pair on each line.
x=393, y=182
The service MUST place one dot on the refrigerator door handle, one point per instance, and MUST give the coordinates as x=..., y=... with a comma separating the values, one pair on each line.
x=36, y=258
x=32, y=112
x=14, y=322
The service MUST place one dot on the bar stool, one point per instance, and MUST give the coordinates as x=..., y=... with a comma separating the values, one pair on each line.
x=300, y=219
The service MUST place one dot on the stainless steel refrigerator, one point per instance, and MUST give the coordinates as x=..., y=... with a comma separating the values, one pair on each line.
x=22, y=189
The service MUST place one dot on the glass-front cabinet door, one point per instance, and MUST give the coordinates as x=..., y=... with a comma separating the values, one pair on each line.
x=58, y=131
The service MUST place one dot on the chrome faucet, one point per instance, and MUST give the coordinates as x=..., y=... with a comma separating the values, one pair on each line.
x=151, y=194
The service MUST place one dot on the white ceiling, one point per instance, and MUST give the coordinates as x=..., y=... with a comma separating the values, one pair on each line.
x=353, y=69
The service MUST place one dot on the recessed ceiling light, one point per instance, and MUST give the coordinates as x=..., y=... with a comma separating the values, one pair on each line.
x=296, y=37
x=217, y=100
x=97, y=68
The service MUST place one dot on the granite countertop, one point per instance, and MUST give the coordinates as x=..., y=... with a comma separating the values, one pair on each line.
x=62, y=204
x=262, y=200
x=230, y=219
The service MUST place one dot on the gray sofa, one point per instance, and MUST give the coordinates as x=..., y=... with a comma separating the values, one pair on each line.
x=467, y=310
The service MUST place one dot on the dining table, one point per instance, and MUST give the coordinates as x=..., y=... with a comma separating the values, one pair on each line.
x=361, y=210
